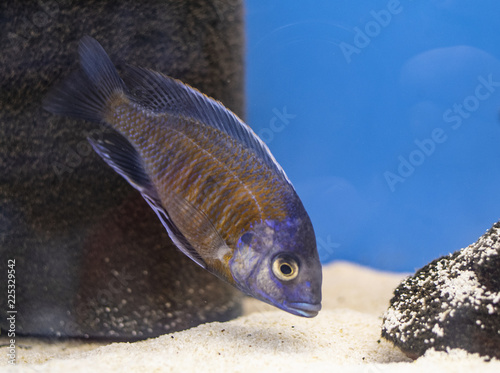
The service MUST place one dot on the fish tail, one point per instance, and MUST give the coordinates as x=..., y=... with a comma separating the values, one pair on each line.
x=87, y=93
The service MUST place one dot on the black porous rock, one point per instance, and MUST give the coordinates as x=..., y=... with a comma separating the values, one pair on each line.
x=453, y=302
x=92, y=260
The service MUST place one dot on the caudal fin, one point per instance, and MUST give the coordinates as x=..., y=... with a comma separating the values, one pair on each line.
x=86, y=93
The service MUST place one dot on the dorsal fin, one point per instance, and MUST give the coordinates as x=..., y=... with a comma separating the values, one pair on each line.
x=162, y=94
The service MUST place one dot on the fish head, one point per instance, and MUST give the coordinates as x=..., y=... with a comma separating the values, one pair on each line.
x=278, y=262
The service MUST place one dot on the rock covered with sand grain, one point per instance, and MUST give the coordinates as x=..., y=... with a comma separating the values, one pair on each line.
x=453, y=302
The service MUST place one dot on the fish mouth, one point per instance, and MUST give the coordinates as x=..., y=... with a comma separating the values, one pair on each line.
x=303, y=308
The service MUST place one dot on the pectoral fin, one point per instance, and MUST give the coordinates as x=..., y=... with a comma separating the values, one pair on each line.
x=197, y=228
x=174, y=233
x=163, y=94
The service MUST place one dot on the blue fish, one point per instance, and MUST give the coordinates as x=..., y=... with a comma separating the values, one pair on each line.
x=219, y=192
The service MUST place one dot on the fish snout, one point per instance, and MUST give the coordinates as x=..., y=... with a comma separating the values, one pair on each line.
x=302, y=308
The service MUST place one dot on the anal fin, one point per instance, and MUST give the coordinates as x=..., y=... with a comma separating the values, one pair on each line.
x=120, y=155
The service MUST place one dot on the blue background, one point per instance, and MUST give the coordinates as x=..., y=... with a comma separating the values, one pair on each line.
x=339, y=122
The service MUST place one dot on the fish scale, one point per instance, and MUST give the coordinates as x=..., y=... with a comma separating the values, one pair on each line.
x=182, y=176
x=220, y=194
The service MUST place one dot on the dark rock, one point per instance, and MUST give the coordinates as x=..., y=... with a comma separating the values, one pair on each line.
x=453, y=302
x=92, y=259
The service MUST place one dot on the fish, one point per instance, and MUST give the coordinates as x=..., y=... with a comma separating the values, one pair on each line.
x=221, y=195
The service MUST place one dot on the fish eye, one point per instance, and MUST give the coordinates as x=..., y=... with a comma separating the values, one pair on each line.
x=285, y=268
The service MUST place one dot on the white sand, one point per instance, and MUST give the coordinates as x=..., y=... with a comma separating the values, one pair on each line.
x=345, y=337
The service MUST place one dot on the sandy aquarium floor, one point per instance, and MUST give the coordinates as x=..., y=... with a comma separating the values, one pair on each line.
x=344, y=337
